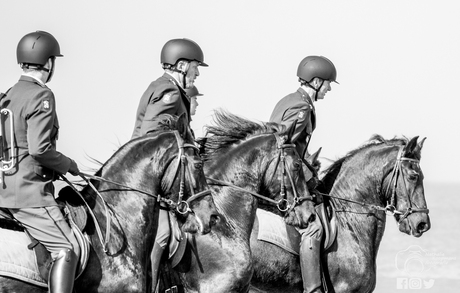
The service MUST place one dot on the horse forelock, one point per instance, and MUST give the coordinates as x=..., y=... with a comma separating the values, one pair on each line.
x=229, y=129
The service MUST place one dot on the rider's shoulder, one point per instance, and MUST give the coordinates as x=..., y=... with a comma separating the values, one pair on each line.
x=165, y=83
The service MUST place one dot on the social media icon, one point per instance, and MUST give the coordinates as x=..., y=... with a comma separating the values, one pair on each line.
x=427, y=284
x=402, y=283
x=415, y=283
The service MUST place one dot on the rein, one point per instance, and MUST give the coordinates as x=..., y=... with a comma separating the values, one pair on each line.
x=278, y=203
x=390, y=209
x=394, y=179
x=180, y=206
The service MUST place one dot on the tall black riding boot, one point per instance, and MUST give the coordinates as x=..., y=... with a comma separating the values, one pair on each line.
x=62, y=273
x=155, y=258
x=310, y=265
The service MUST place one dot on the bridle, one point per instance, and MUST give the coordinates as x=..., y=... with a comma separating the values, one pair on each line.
x=281, y=146
x=397, y=170
x=181, y=206
x=390, y=208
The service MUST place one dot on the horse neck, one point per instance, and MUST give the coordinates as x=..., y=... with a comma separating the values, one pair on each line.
x=242, y=166
x=129, y=213
x=361, y=179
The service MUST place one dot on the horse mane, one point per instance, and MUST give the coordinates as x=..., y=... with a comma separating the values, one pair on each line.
x=228, y=129
x=330, y=174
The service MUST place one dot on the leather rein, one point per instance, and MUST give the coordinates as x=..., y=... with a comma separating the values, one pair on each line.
x=390, y=208
x=181, y=206
x=278, y=203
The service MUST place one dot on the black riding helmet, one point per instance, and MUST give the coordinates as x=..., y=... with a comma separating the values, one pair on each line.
x=193, y=92
x=179, y=49
x=316, y=66
x=36, y=48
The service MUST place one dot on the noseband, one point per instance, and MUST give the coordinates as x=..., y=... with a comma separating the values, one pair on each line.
x=390, y=209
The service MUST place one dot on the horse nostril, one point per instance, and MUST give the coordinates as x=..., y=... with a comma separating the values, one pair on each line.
x=214, y=220
x=423, y=227
x=312, y=218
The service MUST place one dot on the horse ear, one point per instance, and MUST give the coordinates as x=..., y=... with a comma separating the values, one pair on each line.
x=182, y=125
x=314, y=157
x=418, y=149
x=290, y=131
x=313, y=160
x=411, y=145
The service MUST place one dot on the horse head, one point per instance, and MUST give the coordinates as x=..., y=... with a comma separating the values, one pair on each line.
x=187, y=186
x=291, y=179
x=259, y=157
x=407, y=195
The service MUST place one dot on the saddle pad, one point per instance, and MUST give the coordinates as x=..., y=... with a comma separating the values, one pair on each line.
x=273, y=229
x=16, y=260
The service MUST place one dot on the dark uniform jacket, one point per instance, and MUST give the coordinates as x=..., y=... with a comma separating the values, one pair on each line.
x=29, y=183
x=163, y=96
x=298, y=106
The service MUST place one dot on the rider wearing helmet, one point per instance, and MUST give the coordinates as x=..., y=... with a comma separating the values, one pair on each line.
x=180, y=59
x=193, y=94
x=27, y=191
x=315, y=76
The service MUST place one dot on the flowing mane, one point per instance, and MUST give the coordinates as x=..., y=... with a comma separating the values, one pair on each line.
x=333, y=170
x=229, y=129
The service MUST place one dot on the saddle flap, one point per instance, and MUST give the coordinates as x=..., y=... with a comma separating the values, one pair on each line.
x=177, y=242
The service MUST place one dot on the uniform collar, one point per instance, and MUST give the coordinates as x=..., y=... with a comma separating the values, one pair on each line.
x=174, y=80
x=29, y=78
x=305, y=96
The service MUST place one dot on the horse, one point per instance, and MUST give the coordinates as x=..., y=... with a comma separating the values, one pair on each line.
x=381, y=177
x=164, y=166
x=248, y=165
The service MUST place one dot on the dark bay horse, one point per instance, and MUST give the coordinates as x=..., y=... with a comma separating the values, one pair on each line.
x=382, y=176
x=248, y=165
x=166, y=165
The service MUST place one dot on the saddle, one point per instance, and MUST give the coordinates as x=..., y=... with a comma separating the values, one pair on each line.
x=26, y=259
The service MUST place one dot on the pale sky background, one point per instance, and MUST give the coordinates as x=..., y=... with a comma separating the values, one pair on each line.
x=398, y=66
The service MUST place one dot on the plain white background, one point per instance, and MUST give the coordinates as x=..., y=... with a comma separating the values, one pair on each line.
x=398, y=67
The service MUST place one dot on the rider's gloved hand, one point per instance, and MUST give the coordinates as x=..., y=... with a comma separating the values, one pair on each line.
x=73, y=168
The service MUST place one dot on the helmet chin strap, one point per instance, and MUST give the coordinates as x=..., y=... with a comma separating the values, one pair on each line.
x=50, y=71
x=183, y=72
x=316, y=90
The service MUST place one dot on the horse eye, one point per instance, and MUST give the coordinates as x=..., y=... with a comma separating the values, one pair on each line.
x=297, y=165
x=413, y=176
x=198, y=165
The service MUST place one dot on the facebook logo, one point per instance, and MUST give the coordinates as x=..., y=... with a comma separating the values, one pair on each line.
x=402, y=283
